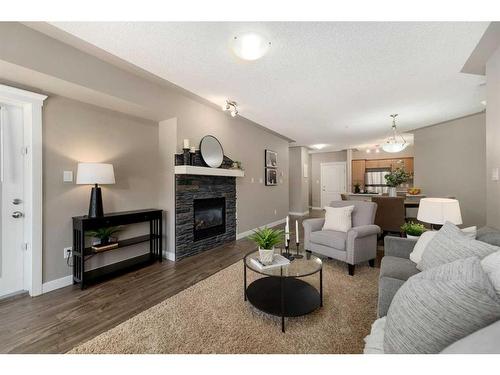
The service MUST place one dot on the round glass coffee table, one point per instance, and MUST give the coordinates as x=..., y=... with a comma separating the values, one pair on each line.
x=282, y=292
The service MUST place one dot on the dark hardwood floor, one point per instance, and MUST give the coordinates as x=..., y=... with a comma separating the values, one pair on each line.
x=60, y=320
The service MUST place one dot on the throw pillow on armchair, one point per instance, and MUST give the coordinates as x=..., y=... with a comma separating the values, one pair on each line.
x=338, y=218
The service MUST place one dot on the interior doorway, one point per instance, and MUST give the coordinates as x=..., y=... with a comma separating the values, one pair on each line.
x=11, y=200
x=333, y=181
x=20, y=191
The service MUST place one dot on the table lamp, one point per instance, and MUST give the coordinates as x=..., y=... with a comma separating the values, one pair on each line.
x=437, y=211
x=95, y=174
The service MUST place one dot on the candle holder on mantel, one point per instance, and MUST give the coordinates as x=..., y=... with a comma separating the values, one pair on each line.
x=185, y=156
x=287, y=254
x=192, y=154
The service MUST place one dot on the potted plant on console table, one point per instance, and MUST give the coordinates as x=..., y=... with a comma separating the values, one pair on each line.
x=266, y=239
x=396, y=178
x=105, y=238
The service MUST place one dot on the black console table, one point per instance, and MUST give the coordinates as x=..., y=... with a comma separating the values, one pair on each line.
x=81, y=224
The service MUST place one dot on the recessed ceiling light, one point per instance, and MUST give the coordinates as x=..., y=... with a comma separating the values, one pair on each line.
x=368, y=150
x=250, y=46
x=377, y=150
x=319, y=146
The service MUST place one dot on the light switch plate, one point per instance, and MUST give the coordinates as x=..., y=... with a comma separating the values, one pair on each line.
x=68, y=176
x=494, y=174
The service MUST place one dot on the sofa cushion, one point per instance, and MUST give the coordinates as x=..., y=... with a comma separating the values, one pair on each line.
x=450, y=244
x=437, y=307
x=491, y=265
x=374, y=342
x=489, y=235
x=484, y=341
x=426, y=237
x=397, y=268
x=329, y=238
x=387, y=289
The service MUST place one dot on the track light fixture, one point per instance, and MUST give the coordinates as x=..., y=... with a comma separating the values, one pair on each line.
x=231, y=106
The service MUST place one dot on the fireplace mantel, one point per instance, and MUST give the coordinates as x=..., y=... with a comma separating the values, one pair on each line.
x=206, y=171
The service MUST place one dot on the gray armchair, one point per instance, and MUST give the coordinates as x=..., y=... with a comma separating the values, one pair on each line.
x=358, y=245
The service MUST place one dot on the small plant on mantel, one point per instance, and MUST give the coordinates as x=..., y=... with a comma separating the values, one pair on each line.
x=266, y=239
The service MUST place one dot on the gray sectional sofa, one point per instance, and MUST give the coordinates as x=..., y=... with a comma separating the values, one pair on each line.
x=396, y=268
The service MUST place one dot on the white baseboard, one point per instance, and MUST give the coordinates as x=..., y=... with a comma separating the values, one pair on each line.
x=239, y=236
x=315, y=208
x=169, y=255
x=299, y=213
x=56, y=284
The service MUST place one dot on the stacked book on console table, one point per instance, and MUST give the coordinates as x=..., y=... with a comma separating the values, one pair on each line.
x=104, y=247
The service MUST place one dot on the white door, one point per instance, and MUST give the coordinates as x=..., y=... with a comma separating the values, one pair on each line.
x=11, y=199
x=333, y=182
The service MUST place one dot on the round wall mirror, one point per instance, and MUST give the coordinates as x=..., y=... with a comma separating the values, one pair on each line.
x=211, y=151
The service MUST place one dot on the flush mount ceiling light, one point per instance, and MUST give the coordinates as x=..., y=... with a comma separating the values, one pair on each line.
x=396, y=142
x=231, y=106
x=319, y=146
x=250, y=46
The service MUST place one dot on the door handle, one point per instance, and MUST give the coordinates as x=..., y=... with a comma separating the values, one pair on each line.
x=17, y=214
x=16, y=201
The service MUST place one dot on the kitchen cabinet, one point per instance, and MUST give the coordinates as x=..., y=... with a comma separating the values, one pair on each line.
x=408, y=165
x=372, y=164
x=358, y=172
x=359, y=167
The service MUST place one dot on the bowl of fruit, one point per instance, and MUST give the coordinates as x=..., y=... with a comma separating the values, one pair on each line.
x=413, y=191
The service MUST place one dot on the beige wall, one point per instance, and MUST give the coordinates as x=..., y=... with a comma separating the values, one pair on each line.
x=241, y=140
x=408, y=152
x=31, y=60
x=450, y=161
x=73, y=132
x=315, y=169
x=492, y=137
x=299, y=185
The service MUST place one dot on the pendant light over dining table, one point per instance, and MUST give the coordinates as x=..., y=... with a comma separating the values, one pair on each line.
x=396, y=142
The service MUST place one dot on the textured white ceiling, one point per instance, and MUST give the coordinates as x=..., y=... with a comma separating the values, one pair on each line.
x=333, y=83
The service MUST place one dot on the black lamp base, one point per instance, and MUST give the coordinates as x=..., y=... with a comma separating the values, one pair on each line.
x=95, y=207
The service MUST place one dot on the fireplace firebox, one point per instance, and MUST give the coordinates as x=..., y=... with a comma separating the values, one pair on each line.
x=209, y=217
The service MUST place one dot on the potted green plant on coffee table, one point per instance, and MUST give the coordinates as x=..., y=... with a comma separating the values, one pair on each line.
x=413, y=230
x=266, y=239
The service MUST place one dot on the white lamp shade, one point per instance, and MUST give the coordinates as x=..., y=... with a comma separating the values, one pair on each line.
x=439, y=211
x=95, y=173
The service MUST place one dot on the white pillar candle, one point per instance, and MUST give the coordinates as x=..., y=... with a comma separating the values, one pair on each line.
x=297, y=231
x=287, y=225
x=193, y=150
x=186, y=143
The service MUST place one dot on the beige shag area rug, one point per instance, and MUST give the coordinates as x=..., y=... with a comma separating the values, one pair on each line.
x=212, y=317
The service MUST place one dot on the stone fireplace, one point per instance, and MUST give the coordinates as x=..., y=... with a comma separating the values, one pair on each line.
x=205, y=213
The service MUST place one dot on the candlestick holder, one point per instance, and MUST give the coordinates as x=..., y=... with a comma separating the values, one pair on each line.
x=185, y=156
x=192, y=155
x=297, y=254
x=287, y=254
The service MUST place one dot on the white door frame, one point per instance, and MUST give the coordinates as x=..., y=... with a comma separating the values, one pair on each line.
x=31, y=103
x=344, y=163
